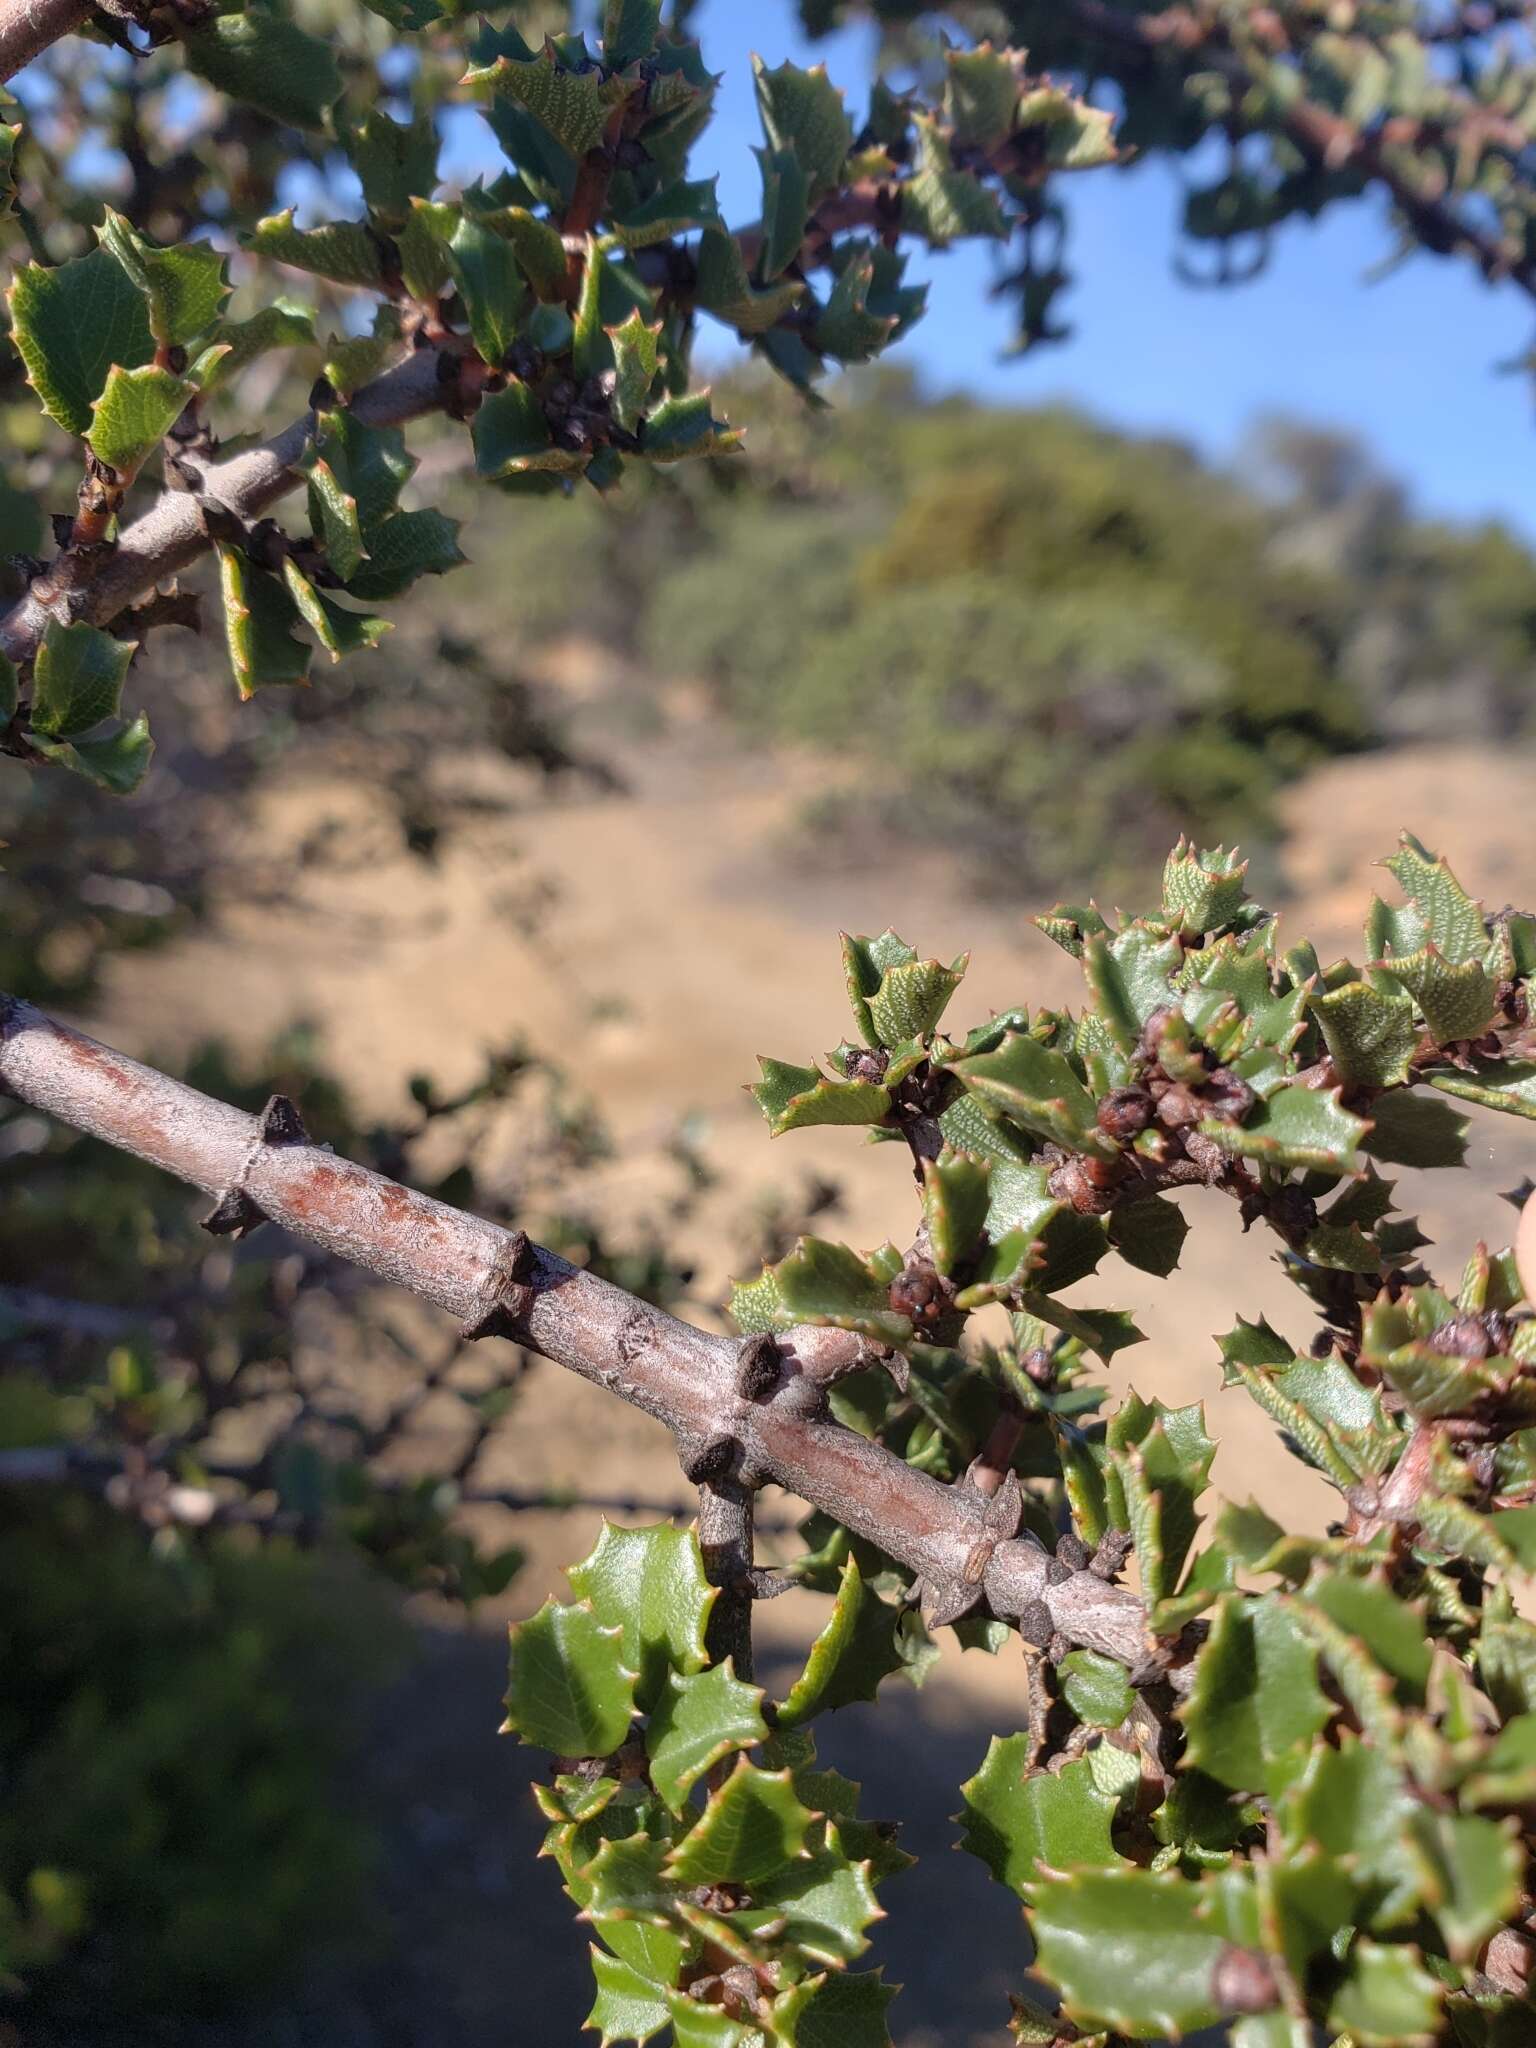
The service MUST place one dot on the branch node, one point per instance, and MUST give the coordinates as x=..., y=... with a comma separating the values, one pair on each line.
x=234, y=1214
x=508, y=1292
x=281, y=1124
x=757, y=1367
x=705, y=1460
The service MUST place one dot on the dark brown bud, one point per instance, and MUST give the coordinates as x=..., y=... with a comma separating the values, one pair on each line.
x=1124, y=1113
x=1229, y=1096
x=867, y=1063
x=1293, y=1211
x=1179, y=1107
x=1039, y=1365
x=922, y=1293
x=1057, y=1571
x=1073, y=1552
x=1462, y=1337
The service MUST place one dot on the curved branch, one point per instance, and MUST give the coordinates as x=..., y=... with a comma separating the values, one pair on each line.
x=727, y=1422
x=27, y=27
x=173, y=533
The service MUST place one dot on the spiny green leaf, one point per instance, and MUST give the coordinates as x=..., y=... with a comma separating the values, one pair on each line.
x=1135, y=1951
x=512, y=436
x=649, y=1583
x=677, y=209
x=955, y=1206
x=981, y=93
x=630, y=29
x=116, y=761
x=1509, y=1085
x=77, y=679
x=1149, y=1235
x=1452, y=922
x=803, y=111
x=1035, y=1088
x=345, y=251
x=1076, y=136
x=826, y=1902
x=685, y=427
x=406, y=546
x=700, y=1719
x=135, y=411
x=786, y=208
x=628, y=2007
x=259, y=617
x=1202, y=892
x=1298, y=1127
x=1129, y=973
x=1455, y=1001
x=1096, y=1688
x=571, y=106
x=1370, y=1030
x=395, y=162
x=1256, y=1703
x=726, y=290
x=846, y=2011
x=339, y=630
x=261, y=57
x=912, y=997
x=1027, y=1824
x=1387, y=1999
x=809, y=1691
x=184, y=285
x=751, y=1829
x=822, y=1282
x=569, y=1689
x=490, y=283
x=636, y=360
x=942, y=203
x=280, y=325
x=71, y=325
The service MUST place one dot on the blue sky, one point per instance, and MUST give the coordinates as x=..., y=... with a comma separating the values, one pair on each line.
x=1409, y=363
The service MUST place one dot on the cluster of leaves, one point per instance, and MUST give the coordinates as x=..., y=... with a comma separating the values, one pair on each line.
x=558, y=304
x=729, y=1881
x=1309, y=1807
x=1294, y=108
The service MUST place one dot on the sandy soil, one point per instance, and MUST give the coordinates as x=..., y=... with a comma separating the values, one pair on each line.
x=655, y=943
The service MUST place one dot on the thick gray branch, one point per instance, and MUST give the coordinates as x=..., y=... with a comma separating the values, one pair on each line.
x=492, y=1280
x=172, y=534
x=27, y=27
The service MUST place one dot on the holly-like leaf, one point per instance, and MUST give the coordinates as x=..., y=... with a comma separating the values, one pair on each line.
x=1387, y=1999
x=1096, y=1688
x=77, y=679
x=1256, y=1704
x=981, y=93
x=943, y=203
x=1035, y=1088
x=259, y=618
x=184, y=285
x=1135, y=1951
x=699, y=1720
x=795, y=1098
x=339, y=630
x=751, y=1829
x=636, y=361
x=72, y=324
x=1029, y=1824
x=1449, y=918
x=1300, y=1127
x=1129, y=973
x=512, y=436
x=571, y=106
x=262, y=58
x=1074, y=136
x=1202, y=892
x=825, y=1901
x=1370, y=1030
x=1149, y=1235
x=955, y=1206
x=345, y=251
x=803, y=112
x=283, y=324
x=629, y=2007
x=1509, y=1085
x=913, y=995
x=786, y=208
x=726, y=290
x=490, y=283
x=831, y=1648
x=135, y=411
x=408, y=545
x=116, y=761
x=681, y=429
x=649, y=1584
x=1410, y=1129
x=822, y=1282
x=395, y=162
x=846, y=2011
x=1456, y=1002
x=630, y=29
x=570, y=1689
